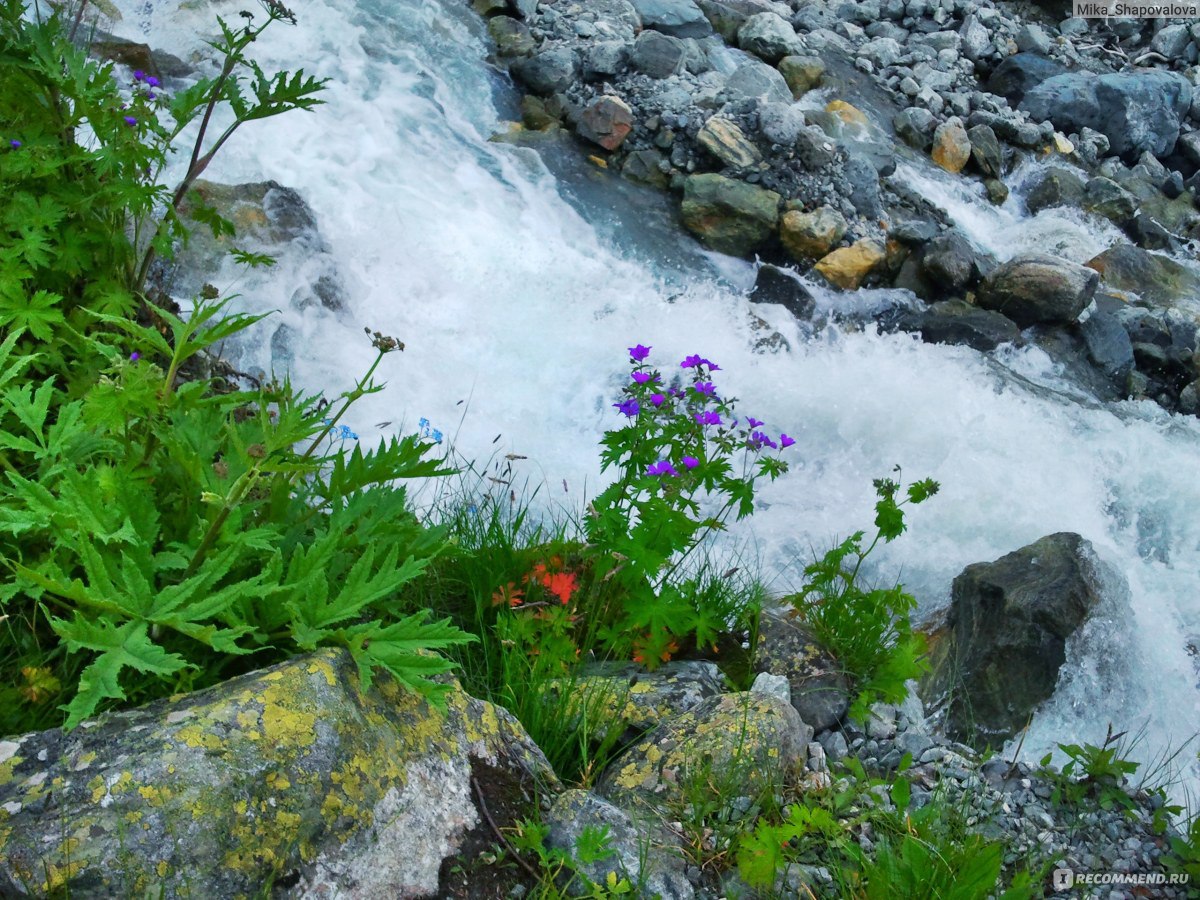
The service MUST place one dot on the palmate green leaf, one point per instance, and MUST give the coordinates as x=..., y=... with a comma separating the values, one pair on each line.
x=30, y=406
x=37, y=313
x=403, y=649
x=760, y=855
x=119, y=646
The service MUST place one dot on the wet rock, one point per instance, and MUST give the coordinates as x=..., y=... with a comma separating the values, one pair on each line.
x=606, y=121
x=658, y=55
x=740, y=742
x=293, y=773
x=1020, y=73
x=810, y=236
x=820, y=690
x=1105, y=197
x=951, y=146
x=1108, y=347
x=729, y=216
x=1034, y=288
x=489, y=7
x=727, y=142
x=643, y=852
x=1054, y=187
x=755, y=80
x=604, y=59
x=548, y=71
x=958, y=322
x=802, y=73
x=1009, y=622
x=1158, y=280
x=950, y=264
x=848, y=267
x=770, y=37
x=986, y=151
x=863, y=183
x=1136, y=111
x=997, y=190
x=640, y=700
x=1032, y=39
x=780, y=123
x=678, y=18
x=915, y=126
x=535, y=114
x=139, y=56
x=646, y=166
x=512, y=38
x=724, y=19
x=776, y=285
x=1150, y=235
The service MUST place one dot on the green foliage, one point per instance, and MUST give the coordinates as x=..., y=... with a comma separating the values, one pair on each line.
x=161, y=529
x=558, y=871
x=1183, y=856
x=867, y=629
x=1091, y=772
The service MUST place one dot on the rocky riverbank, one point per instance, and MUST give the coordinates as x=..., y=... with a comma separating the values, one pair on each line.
x=780, y=127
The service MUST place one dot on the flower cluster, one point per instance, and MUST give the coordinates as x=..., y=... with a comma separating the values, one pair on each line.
x=428, y=431
x=558, y=584
x=339, y=432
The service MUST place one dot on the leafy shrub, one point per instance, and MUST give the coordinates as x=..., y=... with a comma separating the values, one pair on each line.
x=867, y=629
x=1098, y=773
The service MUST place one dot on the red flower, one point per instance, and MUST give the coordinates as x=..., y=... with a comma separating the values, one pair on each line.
x=562, y=585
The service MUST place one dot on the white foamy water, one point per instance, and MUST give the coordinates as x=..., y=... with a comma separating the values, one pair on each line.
x=518, y=293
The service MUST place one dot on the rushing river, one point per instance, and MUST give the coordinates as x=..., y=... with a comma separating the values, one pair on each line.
x=517, y=289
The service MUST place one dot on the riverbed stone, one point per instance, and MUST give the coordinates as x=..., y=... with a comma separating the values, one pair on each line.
x=802, y=73
x=547, y=71
x=1037, y=288
x=290, y=773
x=739, y=743
x=951, y=145
x=1008, y=624
x=728, y=215
x=1054, y=187
x=770, y=37
x=1159, y=280
x=678, y=18
x=848, y=267
x=753, y=79
x=1020, y=73
x=781, y=286
x=512, y=37
x=808, y=236
x=725, y=140
x=658, y=55
x=915, y=126
x=986, y=151
x=606, y=121
x=1105, y=197
x=958, y=322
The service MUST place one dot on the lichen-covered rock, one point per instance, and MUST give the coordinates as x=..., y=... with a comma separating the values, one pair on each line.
x=802, y=73
x=640, y=700
x=643, y=851
x=727, y=142
x=730, y=216
x=820, y=690
x=1159, y=280
x=847, y=267
x=291, y=773
x=736, y=743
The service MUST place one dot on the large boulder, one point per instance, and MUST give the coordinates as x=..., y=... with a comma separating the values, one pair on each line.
x=819, y=686
x=1006, y=635
x=1137, y=111
x=549, y=71
x=802, y=73
x=958, y=322
x=770, y=37
x=755, y=80
x=290, y=774
x=781, y=286
x=725, y=140
x=808, y=236
x=1159, y=280
x=606, y=121
x=848, y=267
x=951, y=145
x=730, y=216
x=678, y=18
x=1020, y=73
x=1034, y=288
x=738, y=743
x=658, y=55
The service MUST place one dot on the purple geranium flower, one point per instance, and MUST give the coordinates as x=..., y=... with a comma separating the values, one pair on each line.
x=661, y=468
x=16, y=145
x=708, y=417
x=139, y=75
x=638, y=352
x=690, y=361
x=152, y=81
x=130, y=120
x=134, y=356
x=629, y=407
x=752, y=422
x=690, y=462
x=643, y=377
x=785, y=441
x=758, y=440
x=657, y=399
x=704, y=387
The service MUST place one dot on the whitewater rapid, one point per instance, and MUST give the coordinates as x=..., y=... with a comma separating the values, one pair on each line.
x=517, y=292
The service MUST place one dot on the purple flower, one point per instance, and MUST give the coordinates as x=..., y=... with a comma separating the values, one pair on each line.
x=16, y=145
x=752, y=422
x=785, y=441
x=704, y=387
x=153, y=82
x=149, y=95
x=134, y=356
x=629, y=407
x=690, y=462
x=689, y=362
x=139, y=75
x=708, y=417
x=638, y=352
x=758, y=440
x=657, y=399
x=643, y=377
x=130, y=120
x=661, y=468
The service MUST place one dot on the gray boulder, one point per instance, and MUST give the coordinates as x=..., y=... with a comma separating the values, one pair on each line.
x=1054, y=187
x=678, y=18
x=1034, y=288
x=1020, y=73
x=769, y=37
x=1137, y=111
x=958, y=322
x=780, y=286
x=820, y=689
x=755, y=80
x=658, y=55
x=730, y=216
x=1006, y=634
x=548, y=71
